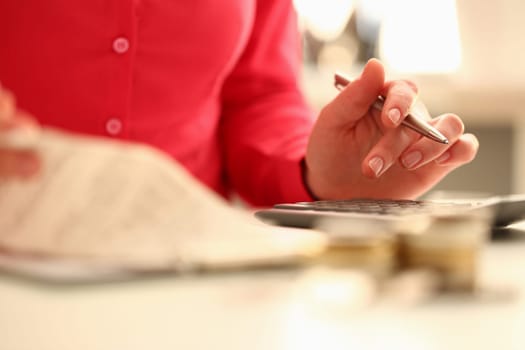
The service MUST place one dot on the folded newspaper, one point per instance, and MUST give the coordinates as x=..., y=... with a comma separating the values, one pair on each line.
x=100, y=205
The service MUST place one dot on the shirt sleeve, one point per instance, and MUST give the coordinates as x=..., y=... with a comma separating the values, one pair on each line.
x=266, y=121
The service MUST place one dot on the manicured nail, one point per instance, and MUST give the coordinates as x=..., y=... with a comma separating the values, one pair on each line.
x=376, y=164
x=410, y=160
x=395, y=115
x=443, y=158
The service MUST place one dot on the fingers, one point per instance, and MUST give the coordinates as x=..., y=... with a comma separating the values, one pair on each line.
x=355, y=99
x=386, y=152
x=462, y=152
x=15, y=124
x=10, y=116
x=412, y=151
x=18, y=131
x=7, y=105
x=400, y=95
x=22, y=164
x=424, y=150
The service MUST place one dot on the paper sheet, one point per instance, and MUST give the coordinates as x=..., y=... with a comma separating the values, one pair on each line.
x=104, y=202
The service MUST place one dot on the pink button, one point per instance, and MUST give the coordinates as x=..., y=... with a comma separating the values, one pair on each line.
x=121, y=45
x=114, y=126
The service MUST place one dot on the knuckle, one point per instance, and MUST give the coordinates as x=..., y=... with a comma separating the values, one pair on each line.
x=402, y=93
x=454, y=123
x=411, y=85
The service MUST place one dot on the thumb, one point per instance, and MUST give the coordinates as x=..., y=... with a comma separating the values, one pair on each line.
x=355, y=99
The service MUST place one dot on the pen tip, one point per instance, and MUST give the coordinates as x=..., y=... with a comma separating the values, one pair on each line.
x=436, y=135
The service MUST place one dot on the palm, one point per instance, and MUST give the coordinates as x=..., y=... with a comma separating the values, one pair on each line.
x=336, y=153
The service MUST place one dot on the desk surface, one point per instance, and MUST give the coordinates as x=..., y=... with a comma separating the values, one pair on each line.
x=262, y=310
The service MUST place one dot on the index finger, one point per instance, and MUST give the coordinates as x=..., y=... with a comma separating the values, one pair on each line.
x=354, y=101
x=400, y=96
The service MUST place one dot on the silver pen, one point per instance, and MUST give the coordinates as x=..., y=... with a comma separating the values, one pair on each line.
x=411, y=121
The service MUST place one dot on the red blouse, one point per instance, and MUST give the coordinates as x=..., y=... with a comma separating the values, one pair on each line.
x=212, y=83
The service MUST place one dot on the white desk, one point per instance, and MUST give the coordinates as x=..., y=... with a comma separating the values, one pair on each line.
x=262, y=310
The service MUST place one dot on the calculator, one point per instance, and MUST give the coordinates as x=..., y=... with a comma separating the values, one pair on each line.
x=500, y=211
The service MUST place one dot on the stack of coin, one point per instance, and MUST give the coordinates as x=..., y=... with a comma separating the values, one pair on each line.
x=376, y=255
x=451, y=247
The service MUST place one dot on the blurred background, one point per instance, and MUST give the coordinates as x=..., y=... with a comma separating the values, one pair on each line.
x=467, y=57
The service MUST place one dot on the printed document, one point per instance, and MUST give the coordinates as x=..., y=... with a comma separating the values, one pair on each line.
x=100, y=202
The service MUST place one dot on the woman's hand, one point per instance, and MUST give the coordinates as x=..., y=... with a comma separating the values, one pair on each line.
x=15, y=161
x=355, y=151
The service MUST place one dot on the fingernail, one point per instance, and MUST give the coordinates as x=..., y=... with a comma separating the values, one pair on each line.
x=443, y=158
x=395, y=115
x=411, y=159
x=376, y=164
